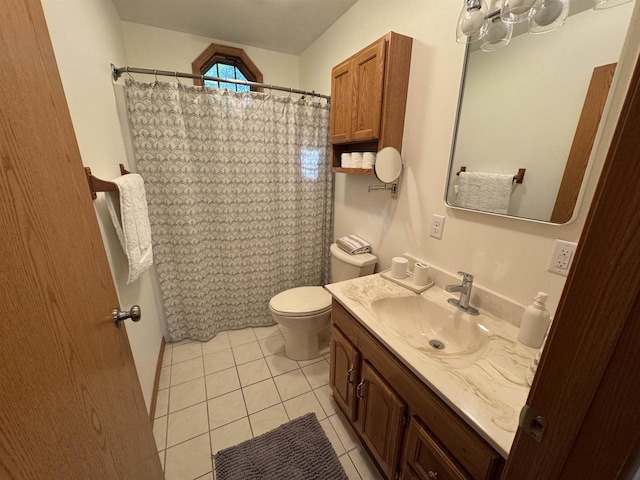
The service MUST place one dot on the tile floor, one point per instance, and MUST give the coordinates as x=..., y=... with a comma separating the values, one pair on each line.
x=215, y=394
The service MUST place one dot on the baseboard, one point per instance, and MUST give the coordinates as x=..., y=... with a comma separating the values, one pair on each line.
x=156, y=382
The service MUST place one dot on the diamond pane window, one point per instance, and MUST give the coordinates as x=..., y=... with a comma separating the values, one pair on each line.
x=226, y=62
x=223, y=70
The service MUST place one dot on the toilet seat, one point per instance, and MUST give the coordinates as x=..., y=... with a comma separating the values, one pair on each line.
x=301, y=302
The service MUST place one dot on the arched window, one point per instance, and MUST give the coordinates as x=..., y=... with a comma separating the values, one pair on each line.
x=226, y=62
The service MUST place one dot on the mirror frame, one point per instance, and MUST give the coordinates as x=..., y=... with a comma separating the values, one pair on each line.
x=454, y=139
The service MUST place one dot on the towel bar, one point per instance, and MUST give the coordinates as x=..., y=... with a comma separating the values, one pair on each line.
x=518, y=178
x=98, y=185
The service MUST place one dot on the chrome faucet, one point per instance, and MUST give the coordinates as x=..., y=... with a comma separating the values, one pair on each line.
x=465, y=294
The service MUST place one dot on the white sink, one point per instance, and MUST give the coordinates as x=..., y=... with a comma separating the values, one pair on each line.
x=439, y=331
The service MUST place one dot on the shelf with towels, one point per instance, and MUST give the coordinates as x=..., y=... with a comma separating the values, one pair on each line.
x=98, y=185
x=517, y=178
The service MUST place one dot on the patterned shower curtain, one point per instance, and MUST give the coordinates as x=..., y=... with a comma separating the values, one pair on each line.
x=239, y=188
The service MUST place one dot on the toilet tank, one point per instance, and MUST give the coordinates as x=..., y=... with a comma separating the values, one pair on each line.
x=345, y=266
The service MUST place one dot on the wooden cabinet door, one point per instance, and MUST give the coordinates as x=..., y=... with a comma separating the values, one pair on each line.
x=428, y=459
x=341, y=102
x=71, y=406
x=368, y=75
x=344, y=370
x=380, y=418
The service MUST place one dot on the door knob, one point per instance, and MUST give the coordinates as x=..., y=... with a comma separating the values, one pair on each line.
x=134, y=314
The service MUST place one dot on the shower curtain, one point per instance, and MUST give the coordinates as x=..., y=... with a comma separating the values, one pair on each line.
x=239, y=189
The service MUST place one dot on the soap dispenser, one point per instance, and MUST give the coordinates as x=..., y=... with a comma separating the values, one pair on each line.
x=535, y=322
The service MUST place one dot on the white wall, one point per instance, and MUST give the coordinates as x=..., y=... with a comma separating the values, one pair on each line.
x=522, y=104
x=157, y=48
x=506, y=255
x=86, y=37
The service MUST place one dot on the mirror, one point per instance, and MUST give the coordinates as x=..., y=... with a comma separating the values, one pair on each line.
x=535, y=105
x=388, y=166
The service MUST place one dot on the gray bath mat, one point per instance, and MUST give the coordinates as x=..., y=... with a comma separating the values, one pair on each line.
x=297, y=450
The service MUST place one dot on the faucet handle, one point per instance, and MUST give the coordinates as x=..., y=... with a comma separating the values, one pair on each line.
x=466, y=277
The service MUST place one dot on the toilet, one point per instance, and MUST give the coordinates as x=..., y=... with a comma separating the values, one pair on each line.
x=304, y=312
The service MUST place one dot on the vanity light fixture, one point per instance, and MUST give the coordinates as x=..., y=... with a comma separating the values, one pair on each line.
x=544, y=16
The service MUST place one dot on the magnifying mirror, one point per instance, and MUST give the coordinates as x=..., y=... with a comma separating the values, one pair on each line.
x=387, y=169
x=388, y=165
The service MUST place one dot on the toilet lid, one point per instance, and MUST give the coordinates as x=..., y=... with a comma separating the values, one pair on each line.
x=301, y=301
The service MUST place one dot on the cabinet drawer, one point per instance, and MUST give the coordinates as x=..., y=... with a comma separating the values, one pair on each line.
x=428, y=459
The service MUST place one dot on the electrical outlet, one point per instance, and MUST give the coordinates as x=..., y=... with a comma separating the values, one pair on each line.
x=562, y=257
x=437, y=226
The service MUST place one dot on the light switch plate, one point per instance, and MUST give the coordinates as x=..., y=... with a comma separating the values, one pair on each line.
x=437, y=226
x=562, y=257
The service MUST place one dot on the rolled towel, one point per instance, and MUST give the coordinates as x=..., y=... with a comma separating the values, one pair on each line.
x=345, y=160
x=353, y=245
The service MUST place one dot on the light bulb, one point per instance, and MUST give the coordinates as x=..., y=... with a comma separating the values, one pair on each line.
x=495, y=33
x=548, y=12
x=548, y=15
x=521, y=5
x=498, y=35
x=472, y=22
x=516, y=11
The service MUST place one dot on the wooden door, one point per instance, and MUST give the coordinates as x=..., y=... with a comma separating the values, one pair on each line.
x=592, y=334
x=368, y=75
x=380, y=418
x=344, y=372
x=341, y=102
x=71, y=406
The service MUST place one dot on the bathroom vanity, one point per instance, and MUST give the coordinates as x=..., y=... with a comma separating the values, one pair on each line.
x=425, y=413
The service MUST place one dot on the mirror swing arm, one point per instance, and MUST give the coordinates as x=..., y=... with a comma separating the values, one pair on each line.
x=387, y=186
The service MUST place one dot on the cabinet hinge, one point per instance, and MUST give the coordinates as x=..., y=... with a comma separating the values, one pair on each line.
x=532, y=423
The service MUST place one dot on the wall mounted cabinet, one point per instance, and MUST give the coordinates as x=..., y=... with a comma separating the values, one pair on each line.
x=409, y=431
x=368, y=99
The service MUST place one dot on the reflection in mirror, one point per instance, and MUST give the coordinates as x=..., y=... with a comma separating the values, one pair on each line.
x=536, y=105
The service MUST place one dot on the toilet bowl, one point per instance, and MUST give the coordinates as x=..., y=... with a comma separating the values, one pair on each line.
x=304, y=312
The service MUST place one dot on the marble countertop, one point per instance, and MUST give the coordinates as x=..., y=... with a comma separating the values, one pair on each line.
x=488, y=394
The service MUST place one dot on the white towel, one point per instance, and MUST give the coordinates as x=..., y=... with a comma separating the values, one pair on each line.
x=131, y=220
x=353, y=245
x=489, y=192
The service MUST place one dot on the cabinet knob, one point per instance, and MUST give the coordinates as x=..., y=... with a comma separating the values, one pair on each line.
x=432, y=475
x=349, y=381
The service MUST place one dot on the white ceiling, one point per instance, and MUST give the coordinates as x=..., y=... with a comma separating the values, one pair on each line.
x=287, y=26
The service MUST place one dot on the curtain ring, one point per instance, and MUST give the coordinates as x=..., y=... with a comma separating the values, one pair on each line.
x=128, y=73
x=202, y=80
x=177, y=79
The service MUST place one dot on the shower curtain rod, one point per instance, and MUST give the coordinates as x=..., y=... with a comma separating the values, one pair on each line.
x=117, y=73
